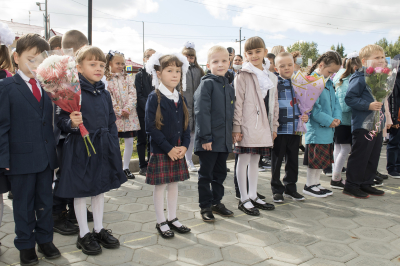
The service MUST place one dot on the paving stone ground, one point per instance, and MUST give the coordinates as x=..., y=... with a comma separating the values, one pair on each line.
x=333, y=231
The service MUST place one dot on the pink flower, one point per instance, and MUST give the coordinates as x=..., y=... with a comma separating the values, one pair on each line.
x=370, y=70
x=310, y=78
x=386, y=70
x=378, y=70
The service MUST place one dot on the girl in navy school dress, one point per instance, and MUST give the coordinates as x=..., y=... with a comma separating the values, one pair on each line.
x=85, y=176
x=167, y=121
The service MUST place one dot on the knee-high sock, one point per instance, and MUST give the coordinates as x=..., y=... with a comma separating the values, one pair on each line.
x=311, y=176
x=253, y=177
x=172, y=202
x=317, y=176
x=241, y=169
x=98, y=210
x=189, y=152
x=336, y=152
x=340, y=160
x=128, y=152
x=1, y=208
x=81, y=215
x=158, y=198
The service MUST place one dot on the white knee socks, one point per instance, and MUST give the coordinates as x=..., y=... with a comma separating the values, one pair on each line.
x=172, y=203
x=128, y=152
x=250, y=160
x=81, y=213
x=189, y=152
x=341, y=151
x=313, y=176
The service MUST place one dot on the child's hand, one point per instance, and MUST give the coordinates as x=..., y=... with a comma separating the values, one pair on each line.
x=76, y=119
x=125, y=114
x=174, y=154
x=333, y=124
x=182, y=151
x=337, y=122
x=207, y=146
x=375, y=106
x=236, y=137
x=304, y=118
x=274, y=135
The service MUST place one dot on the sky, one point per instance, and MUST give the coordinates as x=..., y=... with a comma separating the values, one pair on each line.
x=169, y=24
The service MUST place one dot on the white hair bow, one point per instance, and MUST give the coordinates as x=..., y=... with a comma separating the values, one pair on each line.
x=185, y=67
x=189, y=45
x=7, y=36
x=154, y=60
x=352, y=55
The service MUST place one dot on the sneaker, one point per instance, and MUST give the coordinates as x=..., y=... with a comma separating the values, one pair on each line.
x=143, y=171
x=278, y=198
x=324, y=190
x=382, y=175
x=191, y=166
x=261, y=169
x=337, y=184
x=355, y=192
x=328, y=171
x=314, y=191
x=393, y=174
x=377, y=183
x=302, y=148
x=265, y=163
x=294, y=196
x=373, y=191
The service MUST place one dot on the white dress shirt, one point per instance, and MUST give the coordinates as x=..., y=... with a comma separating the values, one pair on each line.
x=26, y=79
x=170, y=95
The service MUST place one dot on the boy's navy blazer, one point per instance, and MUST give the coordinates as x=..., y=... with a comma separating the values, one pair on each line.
x=26, y=134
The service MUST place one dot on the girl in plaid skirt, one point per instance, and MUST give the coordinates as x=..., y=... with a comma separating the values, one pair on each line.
x=167, y=121
x=325, y=116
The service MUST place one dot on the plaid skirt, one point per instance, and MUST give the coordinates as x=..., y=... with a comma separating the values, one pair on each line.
x=162, y=170
x=263, y=151
x=318, y=156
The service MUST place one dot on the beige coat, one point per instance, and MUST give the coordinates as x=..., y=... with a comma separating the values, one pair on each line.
x=250, y=117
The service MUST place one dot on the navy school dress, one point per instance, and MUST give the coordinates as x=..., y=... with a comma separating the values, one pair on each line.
x=161, y=169
x=84, y=176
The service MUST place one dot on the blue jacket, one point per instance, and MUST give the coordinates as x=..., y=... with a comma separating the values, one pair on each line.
x=359, y=97
x=325, y=110
x=27, y=143
x=341, y=91
x=214, y=104
x=84, y=176
x=162, y=141
x=288, y=109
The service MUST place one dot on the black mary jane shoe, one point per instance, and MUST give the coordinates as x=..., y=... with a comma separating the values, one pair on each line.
x=252, y=211
x=182, y=230
x=128, y=174
x=265, y=206
x=166, y=234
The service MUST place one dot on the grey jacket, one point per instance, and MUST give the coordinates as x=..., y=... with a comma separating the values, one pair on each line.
x=193, y=77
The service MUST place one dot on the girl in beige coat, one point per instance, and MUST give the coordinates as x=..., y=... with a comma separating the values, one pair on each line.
x=254, y=128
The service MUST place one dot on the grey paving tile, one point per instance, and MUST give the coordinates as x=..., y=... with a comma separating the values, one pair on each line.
x=69, y=254
x=375, y=249
x=244, y=254
x=339, y=223
x=124, y=227
x=288, y=253
x=321, y=262
x=155, y=255
x=217, y=238
x=377, y=234
x=200, y=255
x=257, y=238
x=332, y=251
x=179, y=240
x=373, y=221
x=336, y=235
x=267, y=225
x=296, y=237
x=133, y=207
x=138, y=240
x=112, y=256
x=369, y=261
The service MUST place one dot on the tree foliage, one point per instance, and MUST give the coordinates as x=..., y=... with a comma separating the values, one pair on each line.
x=307, y=50
x=340, y=49
x=391, y=49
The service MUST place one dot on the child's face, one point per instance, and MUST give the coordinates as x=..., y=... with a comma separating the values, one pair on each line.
x=256, y=56
x=377, y=58
x=117, y=64
x=285, y=66
x=272, y=65
x=219, y=63
x=190, y=58
x=25, y=58
x=147, y=56
x=170, y=76
x=92, y=70
x=327, y=70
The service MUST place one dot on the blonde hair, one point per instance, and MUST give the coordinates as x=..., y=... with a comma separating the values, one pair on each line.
x=73, y=39
x=109, y=58
x=148, y=50
x=90, y=53
x=277, y=49
x=368, y=50
x=216, y=49
x=284, y=54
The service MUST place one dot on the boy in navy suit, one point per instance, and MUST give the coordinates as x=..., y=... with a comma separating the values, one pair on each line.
x=28, y=153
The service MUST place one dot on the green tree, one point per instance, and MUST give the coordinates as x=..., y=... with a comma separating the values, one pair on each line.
x=307, y=50
x=340, y=49
x=391, y=49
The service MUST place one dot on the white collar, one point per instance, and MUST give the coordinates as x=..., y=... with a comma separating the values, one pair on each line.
x=170, y=95
x=23, y=76
x=262, y=76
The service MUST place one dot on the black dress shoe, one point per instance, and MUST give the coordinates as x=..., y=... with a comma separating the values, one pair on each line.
x=182, y=230
x=49, y=250
x=88, y=244
x=166, y=234
x=106, y=239
x=265, y=206
x=128, y=174
x=71, y=216
x=355, y=192
x=64, y=226
x=10, y=195
x=373, y=191
x=260, y=196
x=28, y=257
x=207, y=215
x=252, y=211
x=221, y=210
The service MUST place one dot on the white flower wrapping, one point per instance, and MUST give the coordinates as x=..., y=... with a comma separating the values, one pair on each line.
x=7, y=37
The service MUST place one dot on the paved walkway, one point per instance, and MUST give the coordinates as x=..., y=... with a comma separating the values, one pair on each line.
x=334, y=231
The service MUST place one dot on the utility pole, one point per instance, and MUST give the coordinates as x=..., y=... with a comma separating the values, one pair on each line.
x=29, y=17
x=143, y=41
x=90, y=22
x=46, y=18
x=240, y=41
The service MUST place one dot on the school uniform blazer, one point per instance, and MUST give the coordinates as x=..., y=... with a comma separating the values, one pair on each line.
x=27, y=142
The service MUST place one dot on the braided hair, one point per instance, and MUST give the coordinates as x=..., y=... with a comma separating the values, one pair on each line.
x=327, y=58
x=350, y=64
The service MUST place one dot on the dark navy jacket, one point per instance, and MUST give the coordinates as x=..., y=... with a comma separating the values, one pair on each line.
x=143, y=89
x=27, y=143
x=214, y=104
x=162, y=141
x=84, y=176
x=359, y=97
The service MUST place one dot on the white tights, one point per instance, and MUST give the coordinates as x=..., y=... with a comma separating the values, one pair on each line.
x=189, y=152
x=340, y=155
x=128, y=152
x=81, y=214
x=250, y=160
x=172, y=203
x=313, y=176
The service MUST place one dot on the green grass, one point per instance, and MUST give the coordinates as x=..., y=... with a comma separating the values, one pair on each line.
x=122, y=148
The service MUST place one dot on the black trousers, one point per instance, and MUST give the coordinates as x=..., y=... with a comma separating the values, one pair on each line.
x=285, y=146
x=363, y=160
x=143, y=141
x=393, y=151
x=32, y=205
x=212, y=174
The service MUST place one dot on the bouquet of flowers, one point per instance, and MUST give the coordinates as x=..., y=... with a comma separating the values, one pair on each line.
x=380, y=82
x=56, y=71
x=307, y=90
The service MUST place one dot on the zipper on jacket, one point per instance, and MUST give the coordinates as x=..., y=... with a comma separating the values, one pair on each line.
x=258, y=113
